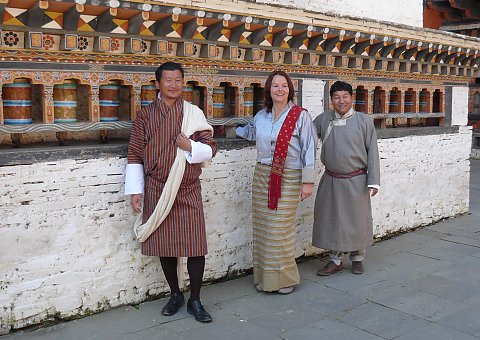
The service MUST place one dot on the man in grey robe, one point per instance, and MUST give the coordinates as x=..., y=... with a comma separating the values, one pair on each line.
x=343, y=213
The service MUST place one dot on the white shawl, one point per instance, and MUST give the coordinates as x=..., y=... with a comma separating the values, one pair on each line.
x=193, y=120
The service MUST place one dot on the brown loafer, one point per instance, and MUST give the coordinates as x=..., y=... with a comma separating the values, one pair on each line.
x=357, y=267
x=330, y=268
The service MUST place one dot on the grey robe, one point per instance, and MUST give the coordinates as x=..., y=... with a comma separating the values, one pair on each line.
x=343, y=213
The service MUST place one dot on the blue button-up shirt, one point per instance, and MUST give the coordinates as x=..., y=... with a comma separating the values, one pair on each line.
x=302, y=146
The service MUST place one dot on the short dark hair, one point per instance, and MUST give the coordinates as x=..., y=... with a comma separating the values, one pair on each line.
x=168, y=66
x=340, y=86
x=268, y=101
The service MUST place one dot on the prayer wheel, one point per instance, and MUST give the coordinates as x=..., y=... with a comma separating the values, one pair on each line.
x=148, y=94
x=394, y=99
x=423, y=98
x=378, y=101
x=231, y=111
x=65, y=102
x=360, y=100
x=257, y=99
x=248, y=101
x=409, y=98
x=188, y=93
x=17, y=102
x=109, y=102
x=218, y=102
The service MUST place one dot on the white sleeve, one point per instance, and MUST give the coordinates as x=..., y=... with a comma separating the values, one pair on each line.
x=200, y=153
x=134, y=180
x=374, y=186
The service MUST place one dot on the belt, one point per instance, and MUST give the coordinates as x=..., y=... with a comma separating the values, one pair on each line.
x=345, y=176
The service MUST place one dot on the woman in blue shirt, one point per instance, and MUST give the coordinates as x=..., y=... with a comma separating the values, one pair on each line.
x=285, y=137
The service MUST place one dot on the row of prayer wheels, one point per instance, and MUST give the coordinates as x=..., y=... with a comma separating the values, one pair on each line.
x=361, y=104
x=252, y=101
x=17, y=101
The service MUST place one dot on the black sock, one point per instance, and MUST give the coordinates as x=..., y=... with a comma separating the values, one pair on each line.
x=169, y=267
x=196, y=267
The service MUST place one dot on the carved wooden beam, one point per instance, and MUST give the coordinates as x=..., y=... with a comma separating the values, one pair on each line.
x=215, y=31
x=346, y=45
x=421, y=54
x=237, y=33
x=299, y=39
x=258, y=36
x=374, y=48
x=2, y=9
x=463, y=59
x=475, y=62
x=164, y=26
x=360, y=47
x=70, y=18
x=105, y=22
x=385, y=50
x=36, y=16
x=135, y=23
x=441, y=56
x=449, y=58
x=329, y=44
x=279, y=37
x=189, y=28
x=314, y=41
x=410, y=52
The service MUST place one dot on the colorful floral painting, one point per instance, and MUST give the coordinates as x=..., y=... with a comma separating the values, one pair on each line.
x=114, y=45
x=48, y=42
x=10, y=39
x=82, y=43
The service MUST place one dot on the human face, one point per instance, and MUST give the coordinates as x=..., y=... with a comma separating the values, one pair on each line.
x=170, y=85
x=342, y=102
x=279, y=90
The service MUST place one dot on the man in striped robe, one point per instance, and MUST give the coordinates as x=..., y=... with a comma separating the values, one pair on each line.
x=155, y=137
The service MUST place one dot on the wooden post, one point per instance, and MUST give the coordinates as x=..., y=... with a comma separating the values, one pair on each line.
x=94, y=104
x=47, y=104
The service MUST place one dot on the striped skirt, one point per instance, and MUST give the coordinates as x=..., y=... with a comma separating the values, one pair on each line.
x=274, y=231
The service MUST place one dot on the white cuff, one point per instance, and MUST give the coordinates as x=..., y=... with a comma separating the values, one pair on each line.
x=134, y=180
x=200, y=153
x=374, y=186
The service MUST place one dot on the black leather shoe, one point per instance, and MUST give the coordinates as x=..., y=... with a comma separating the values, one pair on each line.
x=196, y=309
x=174, y=303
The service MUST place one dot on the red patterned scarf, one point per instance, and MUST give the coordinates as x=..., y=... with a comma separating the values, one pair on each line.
x=278, y=163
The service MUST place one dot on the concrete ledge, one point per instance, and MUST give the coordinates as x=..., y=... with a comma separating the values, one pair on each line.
x=415, y=131
x=31, y=154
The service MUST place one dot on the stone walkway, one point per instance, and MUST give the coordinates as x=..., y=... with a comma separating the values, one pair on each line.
x=420, y=285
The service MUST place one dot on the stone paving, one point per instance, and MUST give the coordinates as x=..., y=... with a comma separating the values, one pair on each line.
x=420, y=285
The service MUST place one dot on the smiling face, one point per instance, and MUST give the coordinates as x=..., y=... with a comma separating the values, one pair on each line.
x=170, y=85
x=279, y=90
x=342, y=102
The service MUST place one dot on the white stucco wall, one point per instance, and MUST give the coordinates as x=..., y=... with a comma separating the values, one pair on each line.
x=408, y=12
x=313, y=96
x=460, y=105
x=67, y=246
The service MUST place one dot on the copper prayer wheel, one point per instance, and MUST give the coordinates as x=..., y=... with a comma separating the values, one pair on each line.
x=65, y=102
x=109, y=101
x=361, y=100
x=188, y=93
x=17, y=102
x=423, y=98
x=148, y=94
x=218, y=102
x=248, y=101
